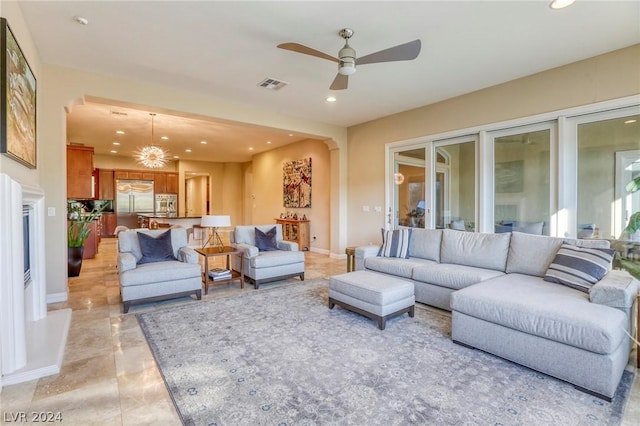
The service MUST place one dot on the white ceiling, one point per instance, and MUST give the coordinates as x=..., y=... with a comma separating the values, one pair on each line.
x=224, y=49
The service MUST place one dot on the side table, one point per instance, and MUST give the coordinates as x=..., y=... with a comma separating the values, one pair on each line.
x=216, y=252
x=351, y=258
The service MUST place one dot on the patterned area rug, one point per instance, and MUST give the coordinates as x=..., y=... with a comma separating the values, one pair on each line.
x=280, y=357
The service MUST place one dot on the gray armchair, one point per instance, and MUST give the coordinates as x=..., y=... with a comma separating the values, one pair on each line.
x=263, y=266
x=166, y=279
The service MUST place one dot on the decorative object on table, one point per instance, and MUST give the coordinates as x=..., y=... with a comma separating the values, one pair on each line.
x=18, y=100
x=304, y=217
x=152, y=156
x=412, y=373
x=296, y=181
x=215, y=222
x=77, y=233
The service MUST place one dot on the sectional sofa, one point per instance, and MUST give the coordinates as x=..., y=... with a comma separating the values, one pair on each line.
x=494, y=285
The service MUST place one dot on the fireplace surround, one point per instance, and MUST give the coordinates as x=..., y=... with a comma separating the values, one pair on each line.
x=32, y=340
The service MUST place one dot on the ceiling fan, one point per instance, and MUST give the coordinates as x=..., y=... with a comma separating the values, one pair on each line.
x=347, y=59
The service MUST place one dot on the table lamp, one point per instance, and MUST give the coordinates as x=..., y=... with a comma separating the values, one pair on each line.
x=215, y=222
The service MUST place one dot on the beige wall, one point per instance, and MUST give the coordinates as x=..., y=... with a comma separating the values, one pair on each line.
x=266, y=192
x=609, y=76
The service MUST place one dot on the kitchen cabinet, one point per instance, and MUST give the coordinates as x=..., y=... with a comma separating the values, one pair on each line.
x=172, y=183
x=105, y=185
x=108, y=223
x=120, y=174
x=92, y=241
x=296, y=231
x=134, y=175
x=80, y=172
x=160, y=183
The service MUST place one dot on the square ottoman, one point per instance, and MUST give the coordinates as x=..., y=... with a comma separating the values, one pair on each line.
x=374, y=295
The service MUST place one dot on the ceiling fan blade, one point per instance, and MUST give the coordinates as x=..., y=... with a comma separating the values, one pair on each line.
x=402, y=52
x=296, y=47
x=340, y=82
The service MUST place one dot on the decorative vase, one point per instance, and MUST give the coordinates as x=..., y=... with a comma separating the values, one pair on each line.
x=75, y=261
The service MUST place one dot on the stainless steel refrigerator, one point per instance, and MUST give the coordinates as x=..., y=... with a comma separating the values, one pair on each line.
x=133, y=197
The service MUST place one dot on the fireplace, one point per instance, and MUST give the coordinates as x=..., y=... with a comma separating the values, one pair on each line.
x=32, y=340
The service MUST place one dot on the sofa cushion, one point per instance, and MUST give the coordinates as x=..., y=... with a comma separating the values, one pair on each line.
x=531, y=305
x=155, y=249
x=579, y=267
x=395, y=243
x=171, y=270
x=246, y=234
x=453, y=276
x=475, y=249
x=266, y=241
x=128, y=240
x=395, y=266
x=425, y=243
x=371, y=287
x=269, y=259
x=531, y=254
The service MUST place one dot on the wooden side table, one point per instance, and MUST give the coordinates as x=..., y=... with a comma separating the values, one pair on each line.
x=351, y=258
x=215, y=252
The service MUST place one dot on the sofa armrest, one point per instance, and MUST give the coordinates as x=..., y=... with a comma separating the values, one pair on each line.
x=363, y=252
x=187, y=255
x=248, y=250
x=617, y=289
x=126, y=261
x=287, y=245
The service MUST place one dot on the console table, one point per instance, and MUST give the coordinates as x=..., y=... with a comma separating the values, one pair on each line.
x=296, y=231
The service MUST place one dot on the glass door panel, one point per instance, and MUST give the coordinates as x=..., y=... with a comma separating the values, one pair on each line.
x=409, y=188
x=522, y=176
x=455, y=185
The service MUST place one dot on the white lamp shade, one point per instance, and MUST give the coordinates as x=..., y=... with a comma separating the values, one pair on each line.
x=215, y=221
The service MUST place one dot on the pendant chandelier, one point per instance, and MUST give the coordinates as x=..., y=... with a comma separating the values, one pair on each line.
x=152, y=156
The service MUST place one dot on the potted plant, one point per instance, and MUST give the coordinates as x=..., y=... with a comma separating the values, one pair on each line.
x=634, y=221
x=77, y=233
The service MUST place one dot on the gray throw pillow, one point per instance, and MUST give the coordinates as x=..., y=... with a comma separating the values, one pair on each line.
x=266, y=241
x=155, y=249
x=579, y=267
x=395, y=243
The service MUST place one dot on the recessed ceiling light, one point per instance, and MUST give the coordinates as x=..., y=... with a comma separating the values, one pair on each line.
x=331, y=99
x=116, y=143
x=268, y=142
x=560, y=4
x=203, y=142
x=81, y=20
x=250, y=148
x=187, y=150
x=120, y=132
x=176, y=156
x=290, y=134
x=113, y=151
x=164, y=138
x=630, y=121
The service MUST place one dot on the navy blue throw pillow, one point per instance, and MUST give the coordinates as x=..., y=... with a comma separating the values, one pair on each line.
x=266, y=241
x=155, y=249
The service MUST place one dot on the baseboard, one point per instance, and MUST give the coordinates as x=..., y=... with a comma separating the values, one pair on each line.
x=338, y=256
x=57, y=297
x=319, y=250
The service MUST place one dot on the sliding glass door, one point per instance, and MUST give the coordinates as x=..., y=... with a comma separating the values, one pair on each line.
x=409, y=207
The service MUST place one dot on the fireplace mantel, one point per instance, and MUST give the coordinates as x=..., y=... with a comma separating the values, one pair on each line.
x=32, y=340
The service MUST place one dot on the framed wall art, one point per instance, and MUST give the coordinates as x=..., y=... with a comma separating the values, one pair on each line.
x=296, y=179
x=17, y=101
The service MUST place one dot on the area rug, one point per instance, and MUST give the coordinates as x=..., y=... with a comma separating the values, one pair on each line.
x=279, y=356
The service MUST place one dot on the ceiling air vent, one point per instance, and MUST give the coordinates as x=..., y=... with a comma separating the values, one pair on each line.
x=272, y=84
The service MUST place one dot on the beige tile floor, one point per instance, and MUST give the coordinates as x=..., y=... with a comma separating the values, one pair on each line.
x=109, y=376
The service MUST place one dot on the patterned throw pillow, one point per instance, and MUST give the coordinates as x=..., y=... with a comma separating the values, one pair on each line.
x=157, y=249
x=266, y=241
x=579, y=267
x=395, y=243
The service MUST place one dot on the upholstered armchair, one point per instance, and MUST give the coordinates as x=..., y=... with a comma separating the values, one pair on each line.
x=155, y=265
x=268, y=257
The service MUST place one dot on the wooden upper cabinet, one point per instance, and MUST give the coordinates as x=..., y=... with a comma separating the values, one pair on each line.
x=160, y=183
x=121, y=174
x=135, y=175
x=172, y=183
x=79, y=171
x=105, y=181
